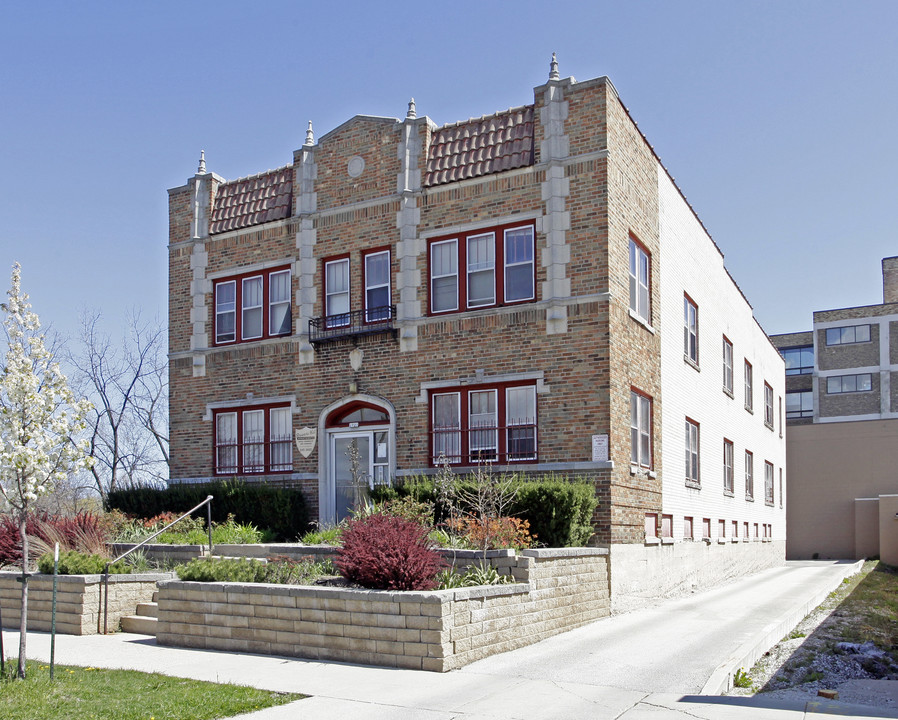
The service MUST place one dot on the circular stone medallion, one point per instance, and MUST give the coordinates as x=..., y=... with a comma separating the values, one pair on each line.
x=356, y=166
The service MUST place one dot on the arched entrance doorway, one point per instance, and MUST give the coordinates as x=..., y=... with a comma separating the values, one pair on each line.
x=359, y=450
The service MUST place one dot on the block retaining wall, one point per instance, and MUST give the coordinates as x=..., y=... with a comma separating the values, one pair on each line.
x=440, y=630
x=77, y=600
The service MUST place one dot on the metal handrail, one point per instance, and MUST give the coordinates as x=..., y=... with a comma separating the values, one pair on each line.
x=104, y=595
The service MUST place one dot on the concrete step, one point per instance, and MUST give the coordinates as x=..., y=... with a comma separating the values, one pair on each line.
x=139, y=624
x=155, y=596
x=148, y=609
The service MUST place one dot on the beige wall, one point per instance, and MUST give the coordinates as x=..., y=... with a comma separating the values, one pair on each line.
x=829, y=465
x=866, y=527
x=888, y=529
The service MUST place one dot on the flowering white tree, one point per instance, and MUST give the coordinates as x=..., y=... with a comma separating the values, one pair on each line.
x=39, y=422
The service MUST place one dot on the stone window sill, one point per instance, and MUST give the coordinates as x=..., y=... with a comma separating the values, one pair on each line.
x=727, y=391
x=728, y=493
x=653, y=541
x=694, y=484
x=667, y=541
x=642, y=321
x=749, y=498
x=689, y=361
x=721, y=541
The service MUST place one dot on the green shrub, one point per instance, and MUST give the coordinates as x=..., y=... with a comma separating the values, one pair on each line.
x=559, y=510
x=73, y=562
x=282, y=570
x=473, y=576
x=283, y=511
x=223, y=570
x=324, y=536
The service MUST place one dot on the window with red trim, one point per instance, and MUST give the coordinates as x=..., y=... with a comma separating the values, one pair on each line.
x=252, y=440
x=482, y=268
x=253, y=306
x=483, y=424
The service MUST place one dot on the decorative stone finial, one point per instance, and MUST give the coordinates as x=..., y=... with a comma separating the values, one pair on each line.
x=310, y=137
x=553, y=69
x=412, y=110
x=201, y=170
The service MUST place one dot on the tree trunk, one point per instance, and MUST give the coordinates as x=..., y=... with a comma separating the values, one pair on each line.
x=23, y=624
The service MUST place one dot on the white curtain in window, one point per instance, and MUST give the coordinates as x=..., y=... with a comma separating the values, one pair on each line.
x=444, y=275
x=279, y=433
x=226, y=443
x=225, y=311
x=252, y=308
x=279, y=303
x=481, y=270
x=446, y=427
x=254, y=441
x=519, y=264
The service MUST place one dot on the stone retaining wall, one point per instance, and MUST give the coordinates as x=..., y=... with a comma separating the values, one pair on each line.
x=557, y=590
x=77, y=600
x=162, y=552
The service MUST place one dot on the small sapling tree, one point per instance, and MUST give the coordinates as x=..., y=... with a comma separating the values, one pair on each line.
x=40, y=420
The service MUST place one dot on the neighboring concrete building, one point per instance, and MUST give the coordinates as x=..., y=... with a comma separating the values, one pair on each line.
x=528, y=289
x=842, y=409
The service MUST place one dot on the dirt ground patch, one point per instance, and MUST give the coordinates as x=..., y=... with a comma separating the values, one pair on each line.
x=849, y=644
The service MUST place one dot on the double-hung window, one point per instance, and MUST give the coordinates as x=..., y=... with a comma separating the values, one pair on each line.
x=749, y=476
x=336, y=292
x=690, y=330
x=692, y=453
x=377, y=286
x=482, y=268
x=481, y=262
x=768, y=405
x=484, y=424
x=640, y=430
x=768, y=483
x=749, y=401
x=253, y=440
x=728, y=467
x=253, y=306
x=640, y=270
x=727, y=366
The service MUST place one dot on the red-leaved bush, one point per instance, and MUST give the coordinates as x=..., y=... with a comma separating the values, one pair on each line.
x=84, y=532
x=388, y=553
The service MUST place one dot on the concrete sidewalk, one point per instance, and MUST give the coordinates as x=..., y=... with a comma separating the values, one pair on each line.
x=507, y=690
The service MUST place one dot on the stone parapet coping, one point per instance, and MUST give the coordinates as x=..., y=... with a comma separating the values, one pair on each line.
x=551, y=553
x=92, y=579
x=332, y=593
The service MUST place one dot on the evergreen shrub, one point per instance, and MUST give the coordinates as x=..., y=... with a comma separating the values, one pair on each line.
x=283, y=511
x=559, y=510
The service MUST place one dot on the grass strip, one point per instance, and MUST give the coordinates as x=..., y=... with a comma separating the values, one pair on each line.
x=98, y=694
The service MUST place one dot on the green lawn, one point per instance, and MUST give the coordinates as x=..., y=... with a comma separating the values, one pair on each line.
x=91, y=693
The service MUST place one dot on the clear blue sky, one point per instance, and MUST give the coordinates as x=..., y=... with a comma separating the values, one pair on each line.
x=777, y=119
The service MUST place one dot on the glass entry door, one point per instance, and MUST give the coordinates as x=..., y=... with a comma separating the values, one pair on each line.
x=358, y=461
x=350, y=455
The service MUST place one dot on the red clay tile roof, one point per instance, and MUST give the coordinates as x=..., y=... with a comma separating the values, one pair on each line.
x=253, y=200
x=479, y=147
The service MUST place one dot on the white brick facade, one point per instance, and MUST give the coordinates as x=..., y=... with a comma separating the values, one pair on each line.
x=692, y=264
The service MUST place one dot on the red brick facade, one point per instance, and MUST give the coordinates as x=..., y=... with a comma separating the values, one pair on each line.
x=591, y=186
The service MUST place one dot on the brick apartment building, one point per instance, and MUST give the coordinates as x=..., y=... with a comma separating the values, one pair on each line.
x=528, y=289
x=842, y=409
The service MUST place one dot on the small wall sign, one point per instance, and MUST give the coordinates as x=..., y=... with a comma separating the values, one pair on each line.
x=600, y=448
x=305, y=440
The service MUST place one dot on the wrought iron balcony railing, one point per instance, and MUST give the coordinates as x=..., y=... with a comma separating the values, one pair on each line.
x=354, y=322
